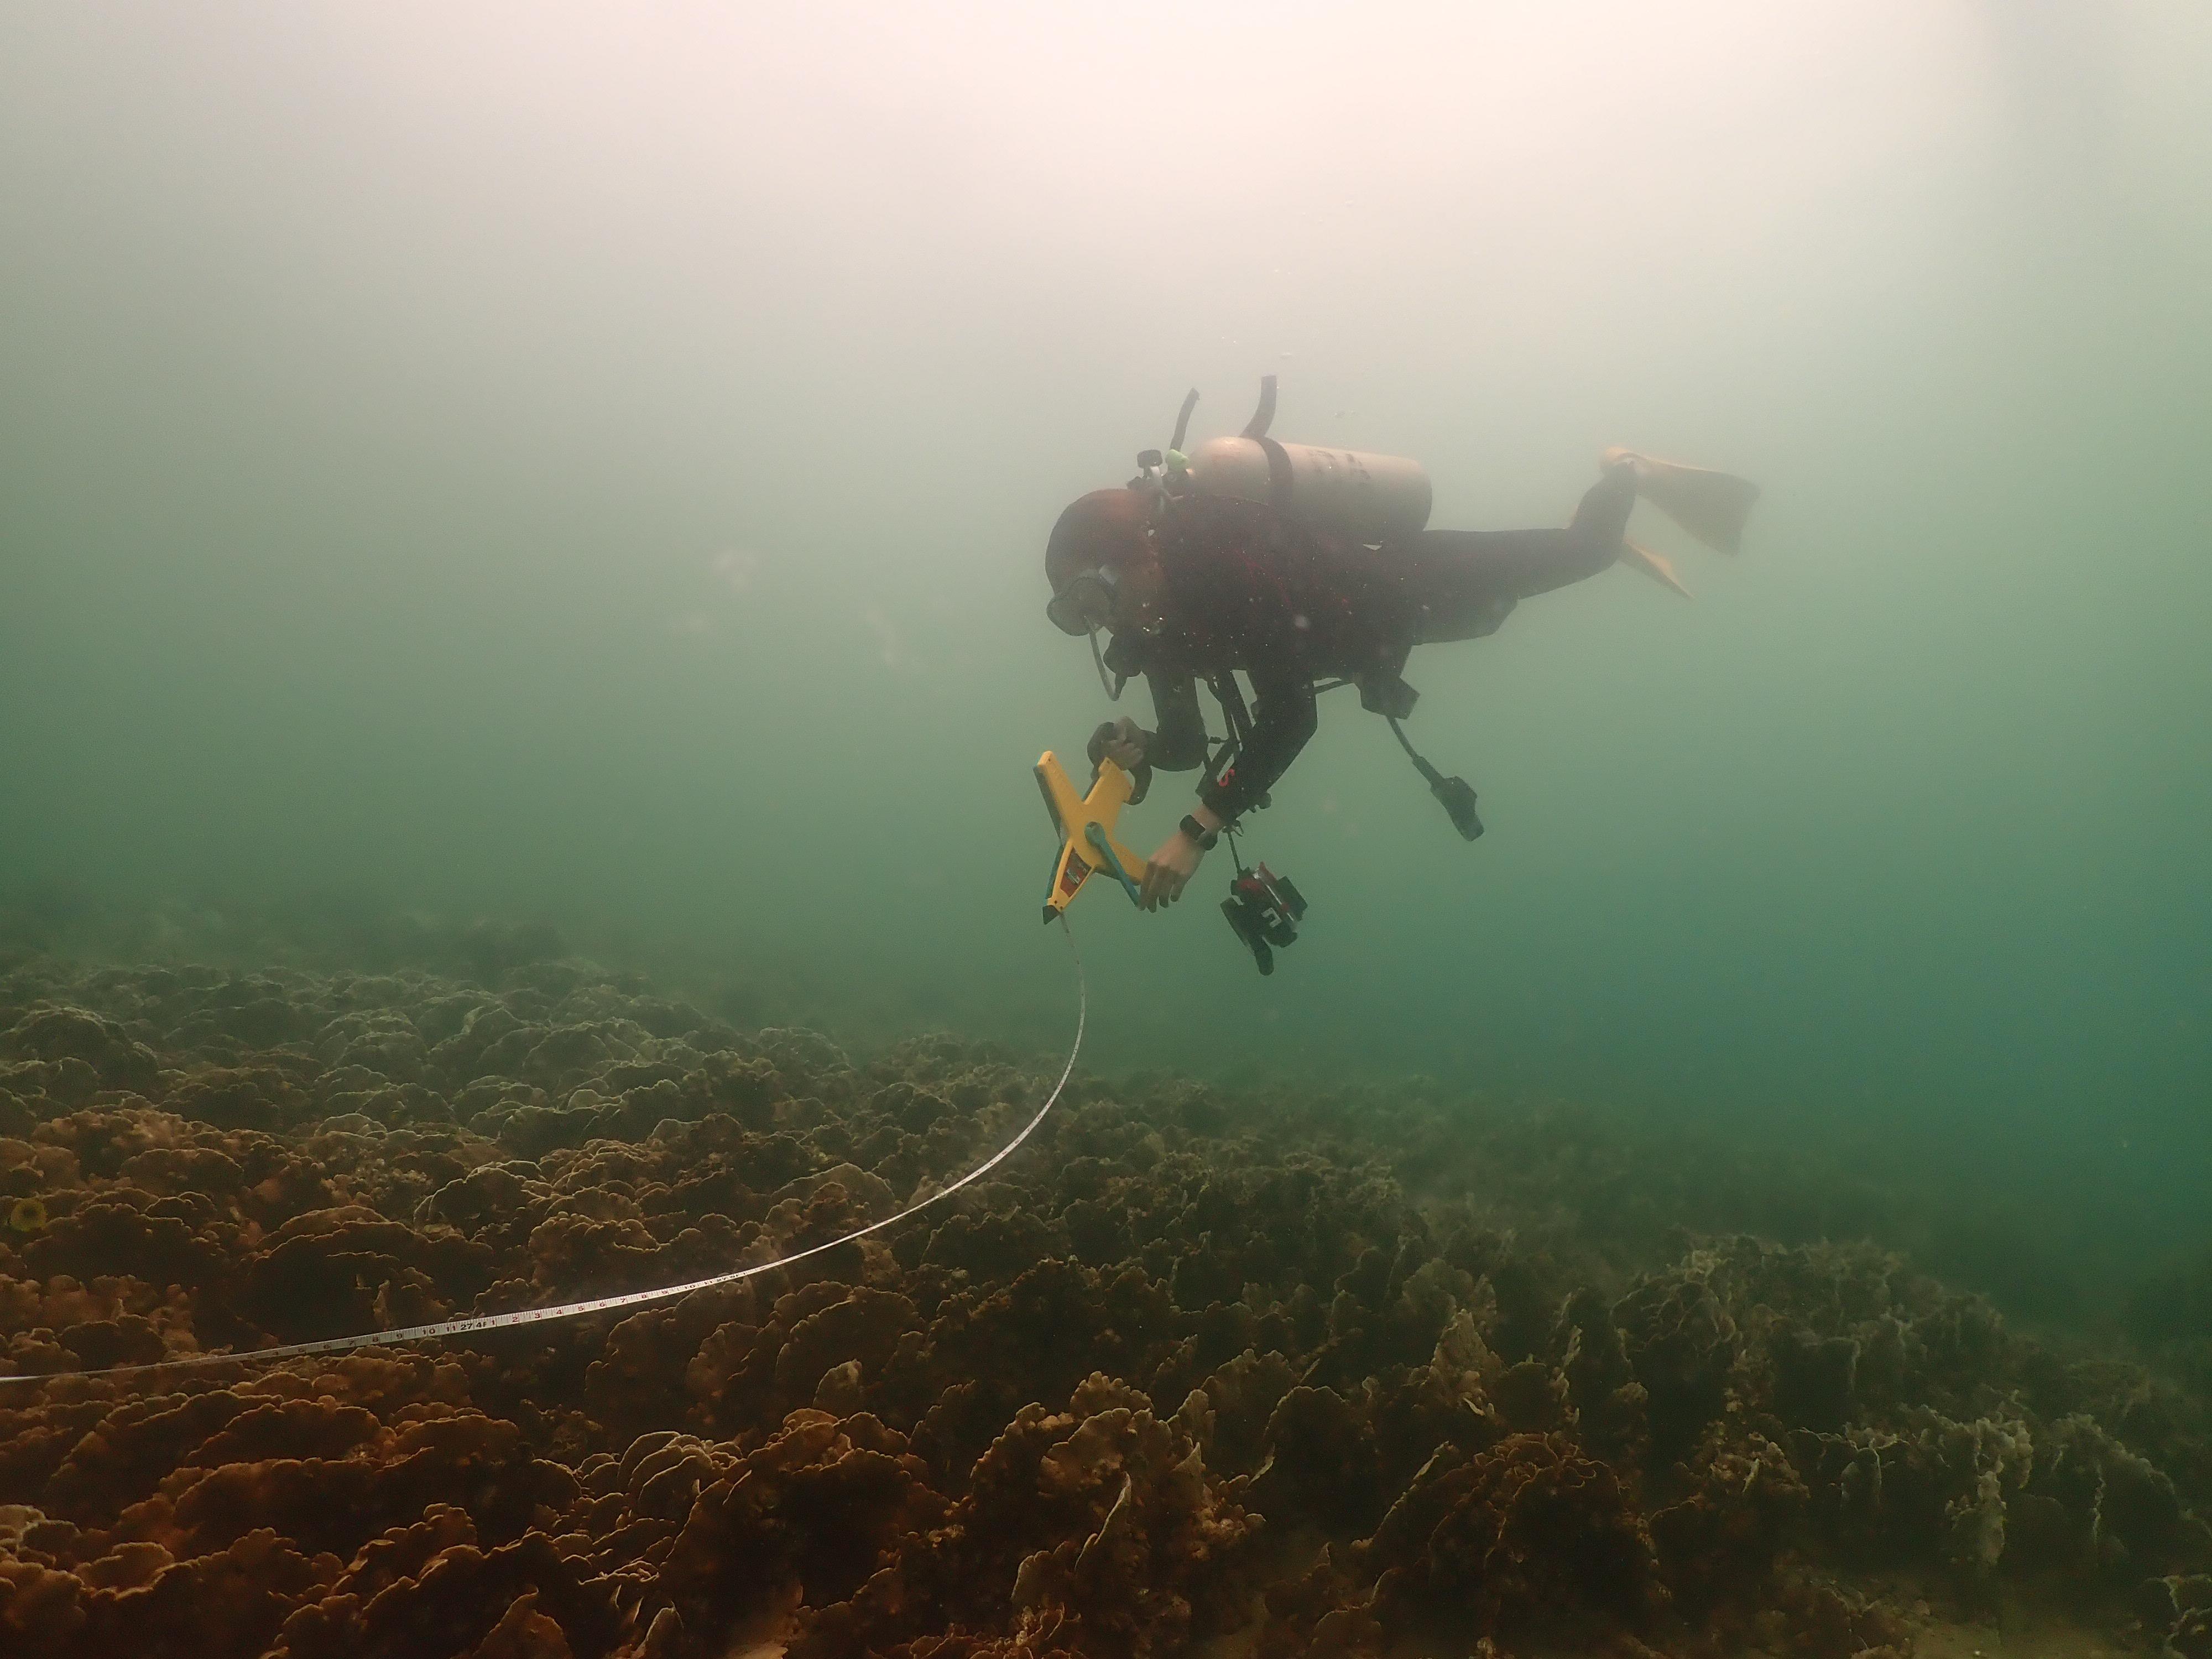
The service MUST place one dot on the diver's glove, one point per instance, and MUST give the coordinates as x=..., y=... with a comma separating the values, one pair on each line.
x=1126, y=743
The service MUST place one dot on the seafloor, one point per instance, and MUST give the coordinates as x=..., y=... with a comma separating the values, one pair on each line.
x=1269, y=1373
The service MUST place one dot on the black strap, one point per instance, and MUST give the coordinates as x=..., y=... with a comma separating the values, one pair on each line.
x=1222, y=683
x=1278, y=476
x=1234, y=714
x=1230, y=696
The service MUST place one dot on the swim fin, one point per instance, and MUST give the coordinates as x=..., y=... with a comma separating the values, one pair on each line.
x=1711, y=506
x=1656, y=566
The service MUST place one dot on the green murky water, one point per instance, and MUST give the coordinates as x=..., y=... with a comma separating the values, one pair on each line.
x=592, y=467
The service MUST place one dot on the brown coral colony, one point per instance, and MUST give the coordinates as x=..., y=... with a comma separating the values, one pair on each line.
x=1194, y=1368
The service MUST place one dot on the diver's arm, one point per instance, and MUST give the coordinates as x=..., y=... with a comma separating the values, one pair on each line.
x=1283, y=718
x=1180, y=744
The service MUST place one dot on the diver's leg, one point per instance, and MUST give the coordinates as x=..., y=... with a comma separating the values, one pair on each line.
x=1467, y=580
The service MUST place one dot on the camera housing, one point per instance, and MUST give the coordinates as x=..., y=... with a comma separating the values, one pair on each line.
x=1264, y=910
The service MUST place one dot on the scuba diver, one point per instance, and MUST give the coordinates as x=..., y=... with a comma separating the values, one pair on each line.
x=1306, y=569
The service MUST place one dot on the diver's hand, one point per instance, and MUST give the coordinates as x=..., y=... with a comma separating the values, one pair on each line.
x=1122, y=741
x=1170, y=871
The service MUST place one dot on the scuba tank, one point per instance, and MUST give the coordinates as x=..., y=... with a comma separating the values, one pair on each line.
x=1363, y=497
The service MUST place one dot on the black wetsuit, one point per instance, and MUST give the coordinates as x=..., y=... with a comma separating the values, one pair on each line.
x=1249, y=589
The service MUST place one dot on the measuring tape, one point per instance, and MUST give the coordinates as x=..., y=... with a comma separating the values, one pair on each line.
x=631, y=1299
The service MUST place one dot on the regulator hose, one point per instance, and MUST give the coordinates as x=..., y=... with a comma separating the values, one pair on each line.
x=629, y=1300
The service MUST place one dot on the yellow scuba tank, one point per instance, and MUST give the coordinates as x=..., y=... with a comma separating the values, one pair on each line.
x=1363, y=497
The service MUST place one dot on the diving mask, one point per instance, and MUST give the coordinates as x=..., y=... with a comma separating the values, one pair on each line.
x=1085, y=604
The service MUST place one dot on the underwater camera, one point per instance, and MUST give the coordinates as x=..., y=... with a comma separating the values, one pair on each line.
x=1264, y=911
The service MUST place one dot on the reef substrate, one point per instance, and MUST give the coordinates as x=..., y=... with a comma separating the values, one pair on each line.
x=1196, y=1371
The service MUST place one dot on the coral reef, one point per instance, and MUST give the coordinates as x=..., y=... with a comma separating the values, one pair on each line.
x=1311, y=1376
